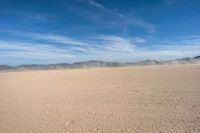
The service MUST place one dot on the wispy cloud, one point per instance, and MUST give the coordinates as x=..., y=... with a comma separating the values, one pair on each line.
x=34, y=17
x=149, y=27
x=33, y=50
x=101, y=42
x=115, y=43
x=106, y=42
x=15, y=53
x=113, y=18
x=102, y=47
x=92, y=3
x=53, y=38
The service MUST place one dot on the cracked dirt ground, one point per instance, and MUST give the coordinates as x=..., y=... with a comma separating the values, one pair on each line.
x=145, y=99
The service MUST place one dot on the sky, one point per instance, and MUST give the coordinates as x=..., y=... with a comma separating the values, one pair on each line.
x=67, y=31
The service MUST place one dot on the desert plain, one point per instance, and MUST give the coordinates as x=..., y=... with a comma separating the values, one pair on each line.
x=140, y=99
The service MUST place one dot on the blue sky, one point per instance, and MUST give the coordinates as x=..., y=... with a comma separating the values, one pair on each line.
x=56, y=31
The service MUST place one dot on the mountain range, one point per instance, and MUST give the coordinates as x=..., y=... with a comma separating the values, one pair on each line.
x=97, y=63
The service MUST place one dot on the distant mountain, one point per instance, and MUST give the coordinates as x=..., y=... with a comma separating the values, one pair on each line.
x=5, y=67
x=145, y=62
x=194, y=60
x=197, y=57
x=96, y=63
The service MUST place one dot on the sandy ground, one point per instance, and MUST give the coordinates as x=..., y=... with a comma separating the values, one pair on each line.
x=149, y=99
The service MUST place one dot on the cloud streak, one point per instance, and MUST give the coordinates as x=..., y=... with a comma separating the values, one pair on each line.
x=53, y=38
x=33, y=50
x=94, y=3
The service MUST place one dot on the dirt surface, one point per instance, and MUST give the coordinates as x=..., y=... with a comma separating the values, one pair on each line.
x=149, y=99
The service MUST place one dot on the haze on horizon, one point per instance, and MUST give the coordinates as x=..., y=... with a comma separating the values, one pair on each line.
x=51, y=31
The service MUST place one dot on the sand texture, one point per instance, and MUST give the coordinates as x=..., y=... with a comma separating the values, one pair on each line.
x=143, y=99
